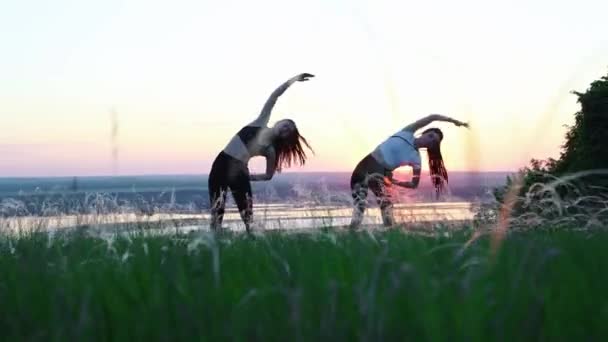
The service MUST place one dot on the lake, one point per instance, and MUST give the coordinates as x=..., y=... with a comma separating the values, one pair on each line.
x=266, y=217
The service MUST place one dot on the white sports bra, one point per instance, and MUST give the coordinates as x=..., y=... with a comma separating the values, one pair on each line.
x=398, y=150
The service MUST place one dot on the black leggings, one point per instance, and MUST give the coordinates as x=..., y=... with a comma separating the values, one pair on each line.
x=369, y=174
x=229, y=172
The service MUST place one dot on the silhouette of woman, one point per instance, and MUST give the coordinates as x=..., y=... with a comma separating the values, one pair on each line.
x=281, y=145
x=375, y=171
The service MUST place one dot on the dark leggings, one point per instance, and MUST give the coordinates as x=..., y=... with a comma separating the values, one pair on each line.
x=369, y=174
x=228, y=172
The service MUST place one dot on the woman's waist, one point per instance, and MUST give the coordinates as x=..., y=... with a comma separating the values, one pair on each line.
x=236, y=160
x=378, y=157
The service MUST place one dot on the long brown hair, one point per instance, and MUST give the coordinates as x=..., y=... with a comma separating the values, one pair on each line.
x=439, y=175
x=289, y=150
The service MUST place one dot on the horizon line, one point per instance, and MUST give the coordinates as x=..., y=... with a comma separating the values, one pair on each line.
x=207, y=174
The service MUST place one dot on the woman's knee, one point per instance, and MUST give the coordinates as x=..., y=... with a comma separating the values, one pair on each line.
x=385, y=203
x=217, y=201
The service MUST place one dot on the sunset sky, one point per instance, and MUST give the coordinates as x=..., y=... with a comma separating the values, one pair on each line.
x=184, y=76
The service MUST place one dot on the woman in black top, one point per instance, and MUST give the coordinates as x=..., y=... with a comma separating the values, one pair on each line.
x=279, y=144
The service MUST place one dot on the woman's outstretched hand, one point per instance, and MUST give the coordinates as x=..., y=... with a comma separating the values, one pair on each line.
x=461, y=124
x=304, y=77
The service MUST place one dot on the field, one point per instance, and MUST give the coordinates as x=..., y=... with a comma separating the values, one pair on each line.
x=87, y=264
x=326, y=284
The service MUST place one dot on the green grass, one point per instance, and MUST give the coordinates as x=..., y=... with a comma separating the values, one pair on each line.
x=328, y=285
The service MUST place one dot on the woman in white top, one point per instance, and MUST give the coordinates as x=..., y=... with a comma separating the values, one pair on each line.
x=280, y=144
x=375, y=171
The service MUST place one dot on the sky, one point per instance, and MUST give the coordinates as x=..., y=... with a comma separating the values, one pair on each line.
x=177, y=79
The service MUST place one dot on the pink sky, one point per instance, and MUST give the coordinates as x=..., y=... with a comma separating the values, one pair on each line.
x=184, y=78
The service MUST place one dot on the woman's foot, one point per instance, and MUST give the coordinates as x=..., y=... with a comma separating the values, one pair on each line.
x=387, y=217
